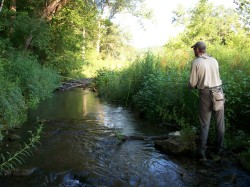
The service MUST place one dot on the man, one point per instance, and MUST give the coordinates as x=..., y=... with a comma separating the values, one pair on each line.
x=206, y=78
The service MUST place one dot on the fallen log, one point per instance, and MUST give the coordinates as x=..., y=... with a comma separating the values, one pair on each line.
x=73, y=83
x=74, y=80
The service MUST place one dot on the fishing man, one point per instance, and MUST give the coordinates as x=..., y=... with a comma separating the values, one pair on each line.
x=206, y=78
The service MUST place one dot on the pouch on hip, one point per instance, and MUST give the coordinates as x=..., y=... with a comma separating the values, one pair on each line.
x=218, y=100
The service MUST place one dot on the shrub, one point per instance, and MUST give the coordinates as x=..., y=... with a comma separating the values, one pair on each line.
x=12, y=106
x=244, y=159
x=35, y=81
x=123, y=84
x=12, y=103
x=237, y=140
x=165, y=96
x=23, y=84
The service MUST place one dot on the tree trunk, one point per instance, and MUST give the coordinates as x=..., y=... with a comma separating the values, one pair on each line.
x=13, y=17
x=48, y=12
x=13, y=6
x=83, y=45
x=53, y=8
x=1, y=5
x=98, y=42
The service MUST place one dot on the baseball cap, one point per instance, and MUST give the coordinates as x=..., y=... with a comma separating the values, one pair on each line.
x=200, y=45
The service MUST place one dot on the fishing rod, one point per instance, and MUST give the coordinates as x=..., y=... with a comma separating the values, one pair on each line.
x=187, y=82
x=177, y=82
x=193, y=91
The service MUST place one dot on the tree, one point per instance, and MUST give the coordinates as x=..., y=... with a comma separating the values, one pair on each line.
x=112, y=40
x=108, y=9
x=73, y=31
x=50, y=8
x=17, y=25
x=244, y=11
x=209, y=23
x=62, y=32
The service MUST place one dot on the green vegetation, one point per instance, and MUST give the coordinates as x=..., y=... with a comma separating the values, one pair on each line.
x=42, y=41
x=157, y=86
x=24, y=84
x=18, y=158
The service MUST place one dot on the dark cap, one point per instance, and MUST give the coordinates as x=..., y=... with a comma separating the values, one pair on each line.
x=199, y=45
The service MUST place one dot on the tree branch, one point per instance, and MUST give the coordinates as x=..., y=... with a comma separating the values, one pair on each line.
x=51, y=9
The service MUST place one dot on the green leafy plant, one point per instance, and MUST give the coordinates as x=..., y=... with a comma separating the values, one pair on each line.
x=35, y=81
x=244, y=159
x=13, y=161
x=237, y=141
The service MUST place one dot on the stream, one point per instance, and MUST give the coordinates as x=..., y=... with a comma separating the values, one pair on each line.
x=79, y=148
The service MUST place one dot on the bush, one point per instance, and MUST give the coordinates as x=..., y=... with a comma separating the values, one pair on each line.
x=244, y=159
x=12, y=106
x=23, y=84
x=12, y=103
x=35, y=81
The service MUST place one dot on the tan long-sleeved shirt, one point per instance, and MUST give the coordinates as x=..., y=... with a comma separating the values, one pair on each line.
x=204, y=73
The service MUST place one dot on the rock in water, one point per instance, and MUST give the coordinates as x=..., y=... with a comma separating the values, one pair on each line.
x=176, y=146
x=14, y=137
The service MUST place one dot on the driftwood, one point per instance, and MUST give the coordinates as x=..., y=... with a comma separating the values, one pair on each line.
x=74, y=80
x=68, y=85
x=162, y=137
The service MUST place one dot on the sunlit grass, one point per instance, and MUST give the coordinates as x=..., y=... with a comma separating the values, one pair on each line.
x=90, y=69
x=157, y=86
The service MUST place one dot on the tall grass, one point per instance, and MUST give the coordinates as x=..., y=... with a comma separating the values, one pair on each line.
x=235, y=73
x=157, y=92
x=123, y=84
x=157, y=87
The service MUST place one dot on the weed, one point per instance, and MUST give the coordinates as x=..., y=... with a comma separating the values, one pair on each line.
x=13, y=161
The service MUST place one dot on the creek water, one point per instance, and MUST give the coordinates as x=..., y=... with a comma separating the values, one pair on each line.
x=79, y=147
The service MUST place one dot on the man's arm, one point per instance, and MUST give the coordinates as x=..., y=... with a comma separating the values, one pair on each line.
x=193, y=77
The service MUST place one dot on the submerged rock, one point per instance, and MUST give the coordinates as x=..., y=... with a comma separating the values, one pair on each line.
x=176, y=146
x=20, y=172
x=174, y=134
x=13, y=137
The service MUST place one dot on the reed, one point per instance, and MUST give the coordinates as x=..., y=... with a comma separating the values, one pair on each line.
x=157, y=87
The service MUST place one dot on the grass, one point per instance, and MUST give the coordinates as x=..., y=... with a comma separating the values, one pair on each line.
x=157, y=87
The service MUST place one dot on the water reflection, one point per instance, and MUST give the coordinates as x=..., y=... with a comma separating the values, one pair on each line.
x=74, y=104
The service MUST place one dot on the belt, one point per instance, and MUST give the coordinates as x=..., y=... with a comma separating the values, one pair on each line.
x=215, y=87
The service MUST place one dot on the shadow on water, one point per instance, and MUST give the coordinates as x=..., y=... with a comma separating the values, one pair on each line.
x=79, y=147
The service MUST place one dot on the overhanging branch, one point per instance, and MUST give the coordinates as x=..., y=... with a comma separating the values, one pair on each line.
x=48, y=12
